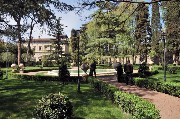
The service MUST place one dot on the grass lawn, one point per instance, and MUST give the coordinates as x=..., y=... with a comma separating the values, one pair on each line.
x=169, y=77
x=19, y=97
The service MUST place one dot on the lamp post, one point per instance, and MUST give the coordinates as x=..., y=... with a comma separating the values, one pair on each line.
x=7, y=63
x=164, y=57
x=78, y=37
x=7, y=60
x=146, y=42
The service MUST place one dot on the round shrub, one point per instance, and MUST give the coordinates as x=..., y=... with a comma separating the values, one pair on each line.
x=143, y=70
x=54, y=106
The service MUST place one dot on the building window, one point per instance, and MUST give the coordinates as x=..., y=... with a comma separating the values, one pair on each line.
x=40, y=48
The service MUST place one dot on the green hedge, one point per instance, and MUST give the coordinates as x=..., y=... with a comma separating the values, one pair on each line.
x=44, y=78
x=165, y=87
x=40, y=69
x=137, y=107
x=157, y=67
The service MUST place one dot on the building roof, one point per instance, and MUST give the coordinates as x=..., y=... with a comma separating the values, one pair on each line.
x=64, y=37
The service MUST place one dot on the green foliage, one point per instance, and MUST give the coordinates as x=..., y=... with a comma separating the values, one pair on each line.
x=63, y=73
x=172, y=69
x=7, y=56
x=156, y=32
x=36, y=69
x=142, y=43
x=1, y=74
x=169, y=67
x=109, y=32
x=74, y=45
x=143, y=70
x=54, y=106
x=44, y=78
x=137, y=107
x=172, y=21
x=106, y=89
x=170, y=88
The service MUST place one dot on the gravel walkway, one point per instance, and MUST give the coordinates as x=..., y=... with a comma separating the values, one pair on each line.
x=169, y=106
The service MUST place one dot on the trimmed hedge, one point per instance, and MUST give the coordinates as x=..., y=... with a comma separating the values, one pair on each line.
x=164, y=87
x=1, y=74
x=157, y=67
x=137, y=107
x=44, y=78
x=40, y=69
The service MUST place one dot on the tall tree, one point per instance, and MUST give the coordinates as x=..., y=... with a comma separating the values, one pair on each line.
x=58, y=55
x=142, y=30
x=156, y=27
x=74, y=45
x=172, y=21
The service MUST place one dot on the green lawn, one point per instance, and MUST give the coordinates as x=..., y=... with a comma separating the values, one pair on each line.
x=19, y=97
x=169, y=77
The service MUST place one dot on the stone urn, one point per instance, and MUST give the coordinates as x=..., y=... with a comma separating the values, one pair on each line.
x=14, y=67
x=21, y=66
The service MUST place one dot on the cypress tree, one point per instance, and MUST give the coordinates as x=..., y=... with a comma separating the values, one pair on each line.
x=156, y=33
x=141, y=31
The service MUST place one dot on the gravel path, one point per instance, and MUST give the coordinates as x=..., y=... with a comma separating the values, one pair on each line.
x=169, y=106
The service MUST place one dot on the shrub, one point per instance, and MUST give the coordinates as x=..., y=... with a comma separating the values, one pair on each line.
x=1, y=74
x=54, y=106
x=137, y=107
x=44, y=78
x=170, y=88
x=63, y=73
x=143, y=70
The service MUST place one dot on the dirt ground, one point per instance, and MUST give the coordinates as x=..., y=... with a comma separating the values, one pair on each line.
x=169, y=106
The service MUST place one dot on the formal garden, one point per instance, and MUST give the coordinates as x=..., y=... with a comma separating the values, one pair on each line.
x=20, y=95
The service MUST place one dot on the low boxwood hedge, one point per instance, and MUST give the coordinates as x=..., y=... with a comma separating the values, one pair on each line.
x=44, y=78
x=40, y=69
x=169, y=67
x=164, y=87
x=136, y=106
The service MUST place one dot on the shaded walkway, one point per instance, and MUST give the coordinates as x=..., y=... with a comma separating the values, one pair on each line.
x=169, y=106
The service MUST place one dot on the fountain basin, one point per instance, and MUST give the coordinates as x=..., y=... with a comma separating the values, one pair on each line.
x=74, y=72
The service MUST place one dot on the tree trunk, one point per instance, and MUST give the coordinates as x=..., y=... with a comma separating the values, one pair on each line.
x=29, y=42
x=19, y=41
